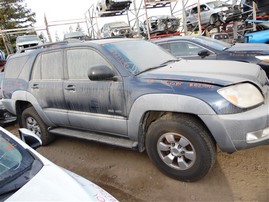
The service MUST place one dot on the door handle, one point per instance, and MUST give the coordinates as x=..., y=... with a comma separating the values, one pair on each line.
x=35, y=86
x=70, y=88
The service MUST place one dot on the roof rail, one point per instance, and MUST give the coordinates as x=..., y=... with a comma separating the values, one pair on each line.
x=48, y=45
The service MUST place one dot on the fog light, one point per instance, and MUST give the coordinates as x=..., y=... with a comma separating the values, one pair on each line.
x=258, y=136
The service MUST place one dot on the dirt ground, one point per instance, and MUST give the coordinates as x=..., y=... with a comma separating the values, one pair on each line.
x=130, y=176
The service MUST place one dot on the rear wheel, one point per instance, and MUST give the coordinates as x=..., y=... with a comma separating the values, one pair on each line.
x=181, y=147
x=32, y=121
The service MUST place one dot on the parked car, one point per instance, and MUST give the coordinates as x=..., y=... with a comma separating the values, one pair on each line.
x=28, y=176
x=161, y=24
x=131, y=93
x=112, y=7
x=201, y=47
x=118, y=28
x=213, y=13
x=5, y=116
x=76, y=35
x=27, y=41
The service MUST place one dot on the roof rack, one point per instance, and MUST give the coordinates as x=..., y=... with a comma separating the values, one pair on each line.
x=49, y=45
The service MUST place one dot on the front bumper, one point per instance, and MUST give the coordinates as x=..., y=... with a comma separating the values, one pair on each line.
x=240, y=131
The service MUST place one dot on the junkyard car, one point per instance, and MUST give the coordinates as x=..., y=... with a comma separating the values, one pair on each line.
x=118, y=28
x=213, y=12
x=28, y=176
x=131, y=93
x=261, y=35
x=111, y=7
x=200, y=47
x=76, y=35
x=161, y=24
x=27, y=41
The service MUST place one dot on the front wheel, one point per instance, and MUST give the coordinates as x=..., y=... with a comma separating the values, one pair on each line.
x=32, y=121
x=181, y=147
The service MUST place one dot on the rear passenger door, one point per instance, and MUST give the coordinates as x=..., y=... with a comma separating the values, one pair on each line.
x=46, y=85
x=93, y=105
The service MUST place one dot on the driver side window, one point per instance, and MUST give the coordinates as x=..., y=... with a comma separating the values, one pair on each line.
x=80, y=60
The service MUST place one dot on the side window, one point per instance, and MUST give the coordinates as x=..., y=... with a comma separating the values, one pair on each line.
x=48, y=66
x=194, y=49
x=165, y=46
x=203, y=8
x=80, y=60
x=179, y=49
x=194, y=10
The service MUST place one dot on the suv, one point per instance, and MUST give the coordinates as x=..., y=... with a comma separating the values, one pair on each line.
x=132, y=93
x=116, y=29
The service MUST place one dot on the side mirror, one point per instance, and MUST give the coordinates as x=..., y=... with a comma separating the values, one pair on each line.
x=30, y=138
x=100, y=72
x=204, y=53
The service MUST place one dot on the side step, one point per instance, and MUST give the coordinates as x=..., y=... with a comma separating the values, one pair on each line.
x=115, y=141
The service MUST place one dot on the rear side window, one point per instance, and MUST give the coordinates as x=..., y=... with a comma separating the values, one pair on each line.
x=48, y=66
x=14, y=66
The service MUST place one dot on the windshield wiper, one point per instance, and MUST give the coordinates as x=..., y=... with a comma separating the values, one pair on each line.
x=170, y=61
x=156, y=67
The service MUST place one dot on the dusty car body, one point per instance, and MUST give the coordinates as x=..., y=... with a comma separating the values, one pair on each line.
x=131, y=93
x=27, y=41
x=161, y=24
x=26, y=175
x=114, y=29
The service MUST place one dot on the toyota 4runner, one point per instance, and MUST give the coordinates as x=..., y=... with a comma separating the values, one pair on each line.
x=132, y=93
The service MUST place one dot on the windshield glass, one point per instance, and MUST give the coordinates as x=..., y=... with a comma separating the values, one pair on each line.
x=14, y=160
x=138, y=55
x=216, y=44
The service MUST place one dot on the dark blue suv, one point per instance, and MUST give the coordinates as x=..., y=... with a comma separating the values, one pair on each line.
x=132, y=93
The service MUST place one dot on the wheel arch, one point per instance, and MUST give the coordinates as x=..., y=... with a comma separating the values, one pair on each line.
x=152, y=116
x=145, y=110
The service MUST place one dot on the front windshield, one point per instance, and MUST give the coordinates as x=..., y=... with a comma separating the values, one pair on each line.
x=138, y=55
x=216, y=44
x=14, y=160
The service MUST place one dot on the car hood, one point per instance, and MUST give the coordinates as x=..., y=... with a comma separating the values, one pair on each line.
x=247, y=47
x=209, y=71
x=53, y=183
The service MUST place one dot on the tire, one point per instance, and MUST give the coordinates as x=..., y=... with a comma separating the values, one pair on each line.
x=32, y=121
x=213, y=19
x=180, y=147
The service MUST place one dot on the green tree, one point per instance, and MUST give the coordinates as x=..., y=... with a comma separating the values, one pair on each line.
x=14, y=14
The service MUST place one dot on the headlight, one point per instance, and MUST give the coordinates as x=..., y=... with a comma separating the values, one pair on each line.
x=242, y=95
x=264, y=58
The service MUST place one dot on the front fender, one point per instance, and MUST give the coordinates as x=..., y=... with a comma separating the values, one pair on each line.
x=167, y=103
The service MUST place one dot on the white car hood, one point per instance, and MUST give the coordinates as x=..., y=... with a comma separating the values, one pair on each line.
x=53, y=183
